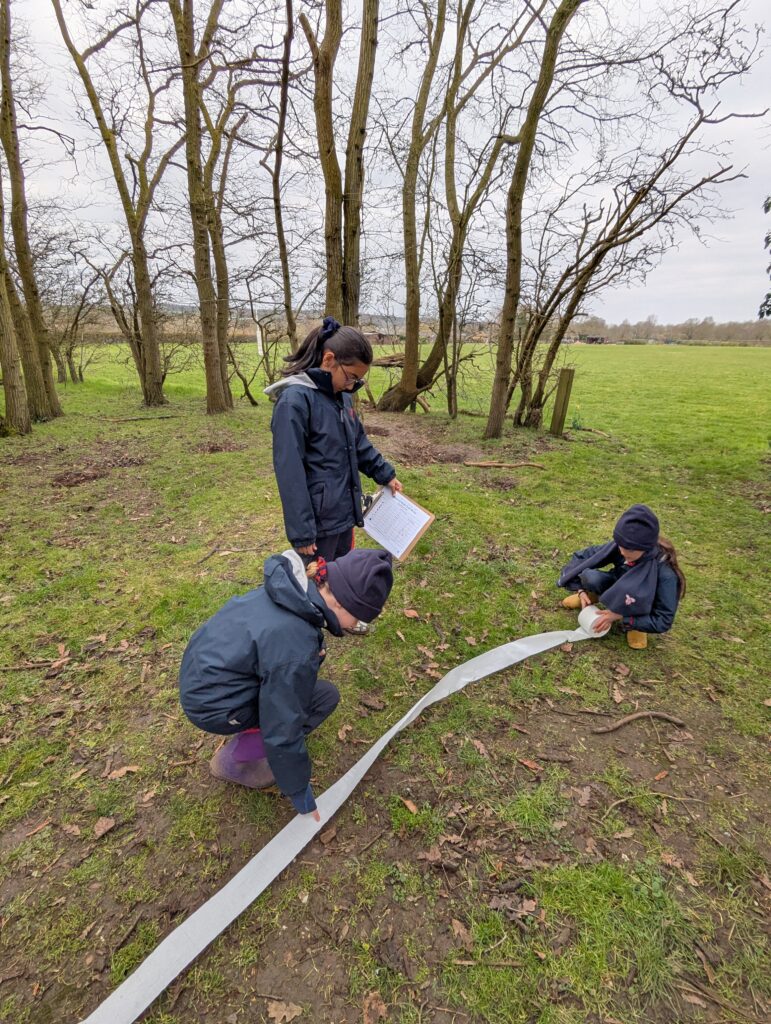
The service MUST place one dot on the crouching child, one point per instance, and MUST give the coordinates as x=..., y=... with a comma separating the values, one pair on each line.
x=251, y=672
x=642, y=586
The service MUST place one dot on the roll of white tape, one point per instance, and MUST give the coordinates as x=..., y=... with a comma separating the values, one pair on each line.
x=586, y=619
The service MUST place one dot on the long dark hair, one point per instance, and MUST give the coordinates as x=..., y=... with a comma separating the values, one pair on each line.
x=347, y=343
x=670, y=557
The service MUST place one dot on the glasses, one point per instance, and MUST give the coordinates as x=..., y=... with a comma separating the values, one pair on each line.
x=351, y=379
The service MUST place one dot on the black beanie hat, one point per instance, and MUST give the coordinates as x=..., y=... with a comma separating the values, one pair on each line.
x=361, y=581
x=637, y=529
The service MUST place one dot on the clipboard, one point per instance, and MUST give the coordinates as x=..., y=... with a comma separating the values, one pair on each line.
x=396, y=522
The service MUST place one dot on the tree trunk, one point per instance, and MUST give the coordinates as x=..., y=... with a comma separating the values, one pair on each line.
x=514, y=203
x=324, y=56
x=37, y=396
x=61, y=366
x=353, y=194
x=48, y=407
x=216, y=398
x=17, y=418
x=278, y=212
x=402, y=394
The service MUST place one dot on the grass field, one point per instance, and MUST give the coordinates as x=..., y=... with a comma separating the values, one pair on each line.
x=624, y=880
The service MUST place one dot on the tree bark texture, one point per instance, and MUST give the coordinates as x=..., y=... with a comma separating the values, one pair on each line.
x=48, y=407
x=17, y=418
x=324, y=55
x=200, y=206
x=353, y=195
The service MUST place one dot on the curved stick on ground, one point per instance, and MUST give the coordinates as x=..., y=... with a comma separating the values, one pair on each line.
x=641, y=714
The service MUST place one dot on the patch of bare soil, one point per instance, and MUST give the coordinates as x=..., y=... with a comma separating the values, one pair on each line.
x=411, y=441
x=215, y=447
x=101, y=465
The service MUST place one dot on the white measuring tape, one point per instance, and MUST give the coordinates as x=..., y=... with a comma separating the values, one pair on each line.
x=189, y=939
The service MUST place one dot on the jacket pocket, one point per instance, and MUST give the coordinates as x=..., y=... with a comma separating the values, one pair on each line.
x=318, y=494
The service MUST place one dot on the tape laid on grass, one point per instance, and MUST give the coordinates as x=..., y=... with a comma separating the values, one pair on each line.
x=188, y=940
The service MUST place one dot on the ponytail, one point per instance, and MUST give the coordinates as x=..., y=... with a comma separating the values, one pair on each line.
x=670, y=557
x=347, y=343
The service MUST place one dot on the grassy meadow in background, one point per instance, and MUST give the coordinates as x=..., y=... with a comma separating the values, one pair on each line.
x=502, y=862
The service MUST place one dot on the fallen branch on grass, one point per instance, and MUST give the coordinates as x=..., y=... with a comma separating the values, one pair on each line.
x=640, y=714
x=504, y=465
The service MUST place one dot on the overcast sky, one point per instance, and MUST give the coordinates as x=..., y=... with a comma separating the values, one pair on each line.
x=723, y=277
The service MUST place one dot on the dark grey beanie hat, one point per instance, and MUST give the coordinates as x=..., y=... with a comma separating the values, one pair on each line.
x=637, y=529
x=361, y=581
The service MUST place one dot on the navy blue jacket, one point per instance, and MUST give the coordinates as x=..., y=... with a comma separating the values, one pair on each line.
x=319, y=446
x=255, y=662
x=666, y=598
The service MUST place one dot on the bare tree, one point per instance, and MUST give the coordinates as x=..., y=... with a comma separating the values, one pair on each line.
x=17, y=418
x=35, y=349
x=136, y=170
x=344, y=195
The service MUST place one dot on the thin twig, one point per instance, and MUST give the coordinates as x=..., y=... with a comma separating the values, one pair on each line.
x=504, y=465
x=640, y=714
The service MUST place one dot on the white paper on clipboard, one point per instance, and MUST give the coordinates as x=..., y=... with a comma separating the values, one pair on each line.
x=396, y=522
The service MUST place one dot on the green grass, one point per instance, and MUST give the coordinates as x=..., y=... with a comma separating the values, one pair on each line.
x=117, y=572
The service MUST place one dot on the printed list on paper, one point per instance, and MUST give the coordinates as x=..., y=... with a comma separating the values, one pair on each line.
x=394, y=522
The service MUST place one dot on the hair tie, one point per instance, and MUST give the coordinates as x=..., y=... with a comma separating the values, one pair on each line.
x=321, y=571
x=329, y=327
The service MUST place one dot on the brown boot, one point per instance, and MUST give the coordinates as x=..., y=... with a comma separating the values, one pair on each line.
x=637, y=641
x=573, y=601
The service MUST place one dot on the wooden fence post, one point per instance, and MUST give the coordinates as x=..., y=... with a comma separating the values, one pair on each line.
x=562, y=400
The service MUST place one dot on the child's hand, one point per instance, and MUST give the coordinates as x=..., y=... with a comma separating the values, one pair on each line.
x=309, y=549
x=585, y=599
x=395, y=486
x=316, y=816
x=604, y=620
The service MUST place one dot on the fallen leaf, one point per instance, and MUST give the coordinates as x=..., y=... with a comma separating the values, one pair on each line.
x=460, y=931
x=480, y=747
x=327, y=836
x=736, y=640
x=71, y=830
x=282, y=1013
x=694, y=1000
x=343, y=731
x=617, y=694
x=622, y=670
x=374, y=1008
x=411, y=807
x=369, y=700
x=670, y=860
x=567, y=648
x=568, y=691
x=78, y=773
x=148, y=796
x=401, y=636
x=625, y=833
x=660, y=776
x=584, y=796
x=529, y=764
x=102, y=826
x=519, y=728
x=411, y=613
x=591, y=846
x=425, y=650
x=471, y=641
x=767, y=702
x=118, y=773
x=432, y=856
x=691, y=879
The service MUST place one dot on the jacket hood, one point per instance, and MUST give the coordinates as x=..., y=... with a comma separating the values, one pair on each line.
x=288, y=587
x=296, y=378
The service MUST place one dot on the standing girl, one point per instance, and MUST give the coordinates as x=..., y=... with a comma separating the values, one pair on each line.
x=319, y=444
x=643, y=586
